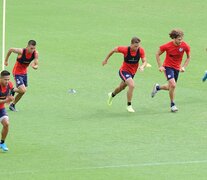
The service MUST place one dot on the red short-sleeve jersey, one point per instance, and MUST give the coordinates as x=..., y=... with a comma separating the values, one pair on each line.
x=131, y=68
x=174, y=54
x=4, y=90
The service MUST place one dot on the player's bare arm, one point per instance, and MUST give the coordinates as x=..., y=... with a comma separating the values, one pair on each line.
x=161, y=68
x=12, y=50
x=34, y=64
x=182, y=69
x=144, y=63
x=109, y=55
x=7, y=100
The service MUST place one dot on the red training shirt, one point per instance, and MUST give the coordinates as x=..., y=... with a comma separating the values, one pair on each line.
x=21, y=69
x=3, y=89
x=174, y=54
x=130, y=68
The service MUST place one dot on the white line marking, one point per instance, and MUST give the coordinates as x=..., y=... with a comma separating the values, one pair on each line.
x=143, y=165
x=106, y=167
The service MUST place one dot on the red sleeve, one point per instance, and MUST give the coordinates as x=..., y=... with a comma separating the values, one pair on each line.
x=187, y=49
x=10, y=85
x=142, y=53
x=163, y=48
x=123, y=50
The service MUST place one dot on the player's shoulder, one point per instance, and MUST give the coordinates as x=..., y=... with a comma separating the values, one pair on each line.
x=122, y=48
x=141, y=48
x=185, y=44
x=168, y=44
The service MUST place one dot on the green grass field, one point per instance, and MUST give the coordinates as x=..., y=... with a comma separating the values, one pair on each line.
x=57, y=135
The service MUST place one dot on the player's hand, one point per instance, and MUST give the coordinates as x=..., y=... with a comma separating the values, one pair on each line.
x=6, y=63
x=182, y=69
x=35, y=67
x=104, y=62
x=141, y=69
x=161, y=68
x=9, y=99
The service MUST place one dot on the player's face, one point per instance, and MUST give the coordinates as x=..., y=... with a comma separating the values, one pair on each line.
x=31, y=48
x=5, y=80
x=135, y=46
x=178, y=40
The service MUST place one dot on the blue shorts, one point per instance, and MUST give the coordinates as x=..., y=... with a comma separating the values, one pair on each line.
x=171, y=73
x=125, y=75
x=21, y=80
x=3, y=114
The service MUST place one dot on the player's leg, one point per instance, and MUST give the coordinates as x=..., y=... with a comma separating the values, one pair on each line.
x=5, y=122
x=21, y=83
x=130, y=84
x=120, y=88
x=172, y=85
x=21, y=91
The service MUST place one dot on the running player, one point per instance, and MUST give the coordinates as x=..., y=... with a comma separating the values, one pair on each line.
x=172, y=64
x=24, y=58
x=6, y=88
x=132, y=55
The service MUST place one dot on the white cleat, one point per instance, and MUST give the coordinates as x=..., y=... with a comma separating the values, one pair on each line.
x=154, y=90
x=130, y=109
x=110, y=98
x=174, y=108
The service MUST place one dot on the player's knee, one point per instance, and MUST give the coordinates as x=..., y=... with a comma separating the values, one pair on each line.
x=131, y=86
x=173, y=85
x=6, y=124
x=22, y=91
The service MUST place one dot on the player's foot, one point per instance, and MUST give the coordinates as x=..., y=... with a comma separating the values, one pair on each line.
x=110, y=98
x=154, y=90
x=204, y=77
x=130, y=109
x=12, y=107
x=4, y=147
x=174, y=108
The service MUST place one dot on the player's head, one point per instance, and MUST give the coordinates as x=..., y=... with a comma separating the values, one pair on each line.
x=5, y=77
x=31, y=46
x=135, y=42
x=177, y=36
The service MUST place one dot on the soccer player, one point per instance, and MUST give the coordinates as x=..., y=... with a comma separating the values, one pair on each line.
x=172, y=64
x=6, y=88
x=24, y=57
x=132, y=55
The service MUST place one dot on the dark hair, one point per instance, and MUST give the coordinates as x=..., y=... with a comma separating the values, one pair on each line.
x=5, y=73
x=135, y=40
x=175, y=33
x=32, y=42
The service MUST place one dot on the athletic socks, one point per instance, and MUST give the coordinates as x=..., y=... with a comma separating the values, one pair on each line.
x=2, y=142
x=172, y=104
x=112, y=94
x=158, y=87
x=129, y=104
